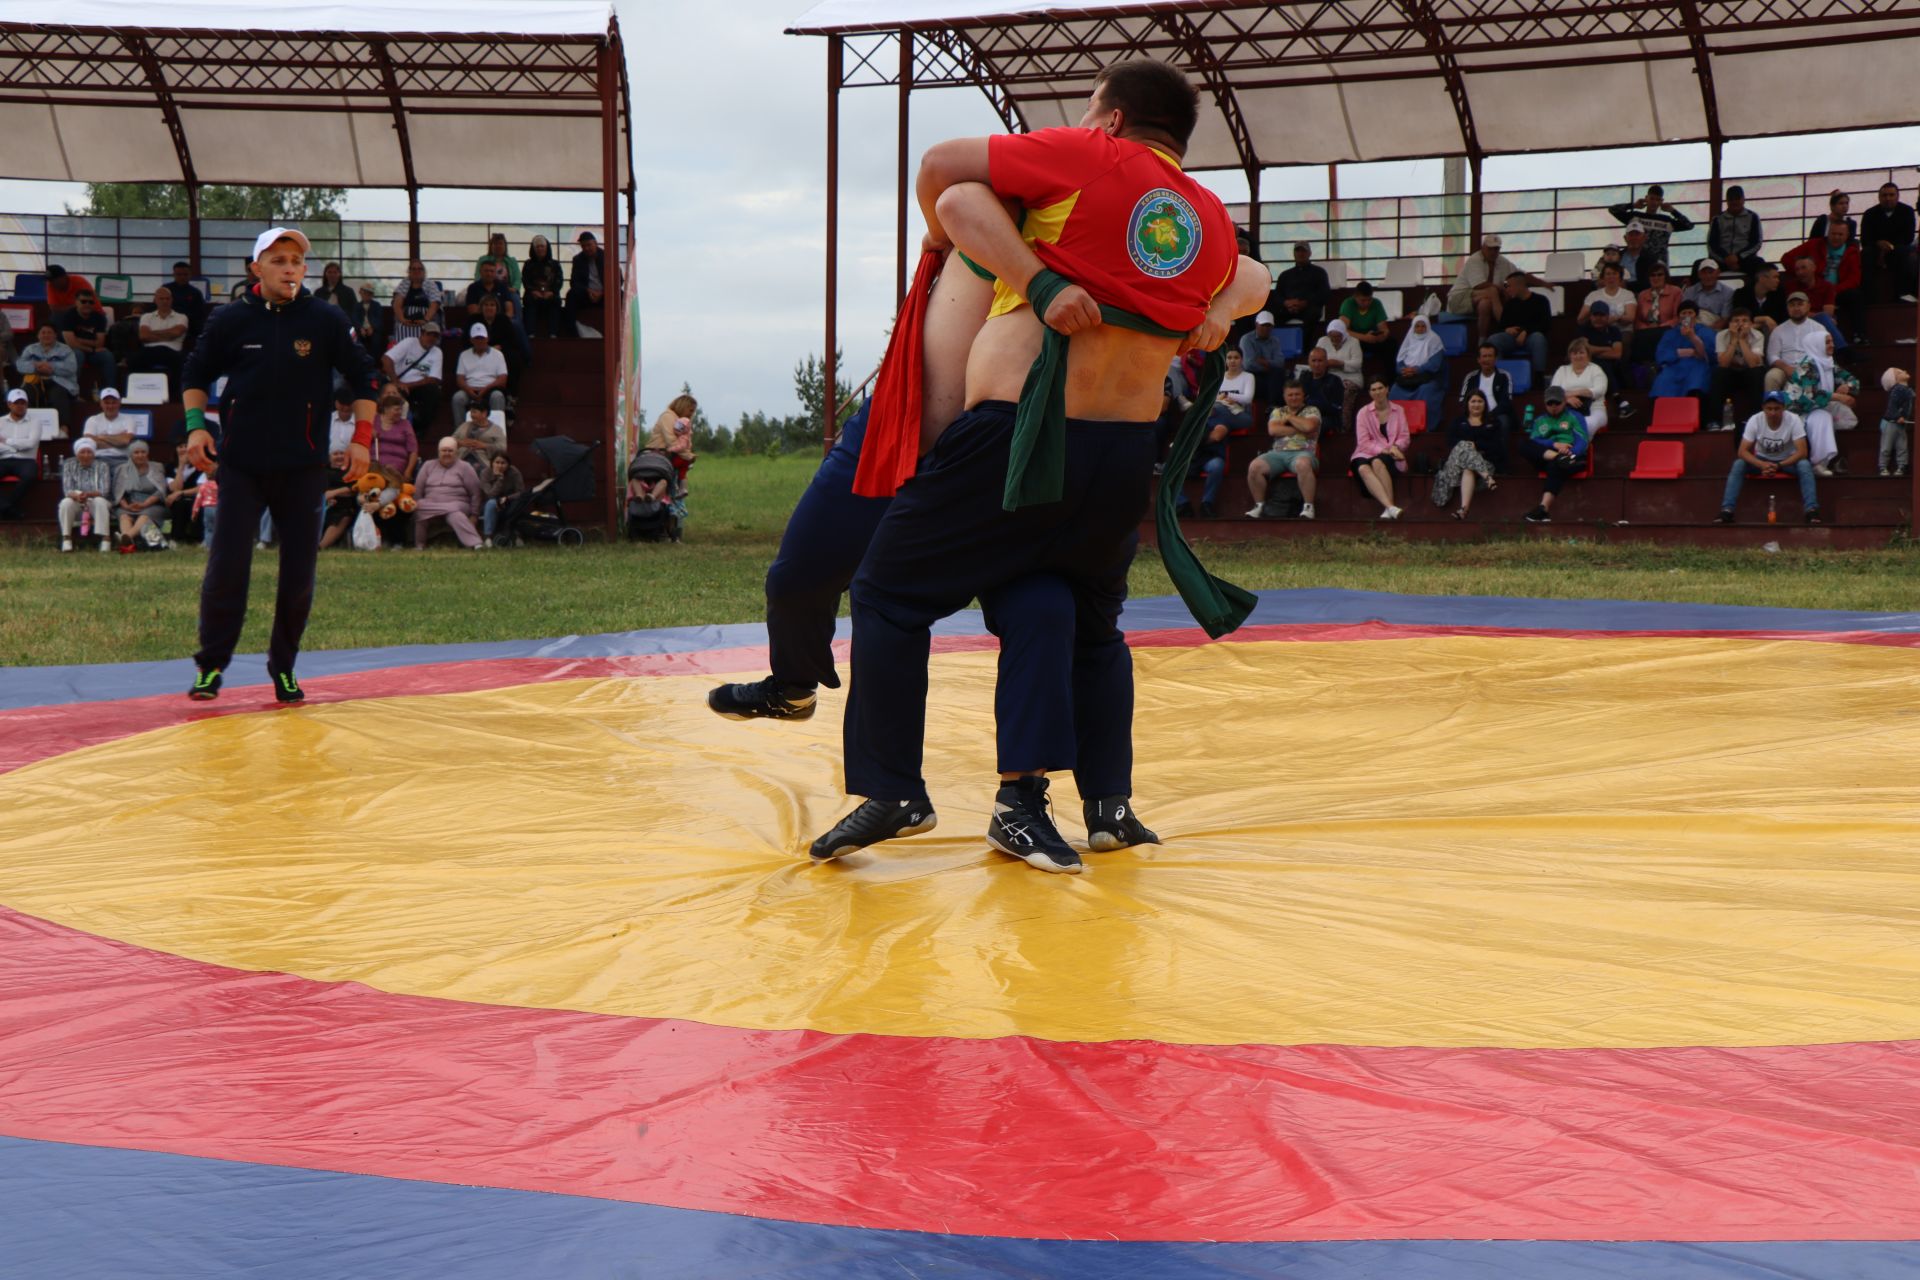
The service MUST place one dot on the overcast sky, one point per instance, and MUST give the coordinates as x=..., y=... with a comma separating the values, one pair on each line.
x=729, y=154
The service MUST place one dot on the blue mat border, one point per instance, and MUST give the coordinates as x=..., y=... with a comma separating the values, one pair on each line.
x=79, y=1211
x=56, y=685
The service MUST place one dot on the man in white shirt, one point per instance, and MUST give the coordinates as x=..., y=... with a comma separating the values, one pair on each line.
x=110, y=434
x=482, y=374
x=1790, y=340
x=1612, y=291
x=416, y=366
x=340, y=428
x=19, y=455
x=1475, y=294
x=1774, y=441
x=163, y=333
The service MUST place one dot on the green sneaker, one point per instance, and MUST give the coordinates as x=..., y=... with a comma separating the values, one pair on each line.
x=206, y=686
x=286, y=688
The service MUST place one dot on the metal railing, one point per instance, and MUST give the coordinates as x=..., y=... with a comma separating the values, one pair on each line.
x=145, y=249
x=1369, y=233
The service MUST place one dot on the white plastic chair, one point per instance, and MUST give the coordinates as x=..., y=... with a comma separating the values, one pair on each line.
x=1392, y=300
x=1404, y=273
x=1336, y=274
x=1564, y=265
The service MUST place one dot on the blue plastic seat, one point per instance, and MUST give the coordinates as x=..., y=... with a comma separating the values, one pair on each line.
x=30, y=286
x=1453, y=338
x=1521, y=371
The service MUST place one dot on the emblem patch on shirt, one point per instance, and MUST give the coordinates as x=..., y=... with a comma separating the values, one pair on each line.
x=1163, y=233
x=302, y=347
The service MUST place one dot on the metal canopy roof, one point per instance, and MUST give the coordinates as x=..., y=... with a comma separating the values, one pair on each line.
x=432, y=93
x=1325, y=81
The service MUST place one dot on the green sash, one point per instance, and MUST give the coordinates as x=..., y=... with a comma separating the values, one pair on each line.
x=1036, y=467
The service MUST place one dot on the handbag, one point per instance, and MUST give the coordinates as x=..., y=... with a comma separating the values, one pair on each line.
x=366, y=534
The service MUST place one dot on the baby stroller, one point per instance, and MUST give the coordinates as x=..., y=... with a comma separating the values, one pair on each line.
x=651, y=519
x=539, y=514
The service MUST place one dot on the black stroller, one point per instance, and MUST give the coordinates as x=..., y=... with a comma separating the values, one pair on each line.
x=539, y=514
x=651, y=519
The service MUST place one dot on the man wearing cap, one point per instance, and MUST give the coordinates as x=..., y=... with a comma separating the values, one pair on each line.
x=1475, y=295
x=369, y=320
x=1733, y=237
x=1300, y=294
x=279, y=349
x=1774, y=441
x=416, y=366
x=1713, y=295
x=1557, y=443
x=1635, y=257
x=85, y=482
x=111, y=433
x=1790, y=340
x=1261, y=354
x=19, y=455
x=586, y=285
x=481, y=373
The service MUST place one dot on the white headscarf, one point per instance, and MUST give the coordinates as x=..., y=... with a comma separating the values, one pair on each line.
x=1336, y=329
x=1815, y=354
x=1421, y=345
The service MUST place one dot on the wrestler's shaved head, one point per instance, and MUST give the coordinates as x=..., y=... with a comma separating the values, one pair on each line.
x=1150, y=95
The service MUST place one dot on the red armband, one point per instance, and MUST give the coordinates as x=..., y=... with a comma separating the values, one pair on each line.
x=363, y=433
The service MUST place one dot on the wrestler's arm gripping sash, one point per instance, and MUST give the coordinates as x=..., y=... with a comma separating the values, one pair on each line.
x=892, y=447
x=1036, y=466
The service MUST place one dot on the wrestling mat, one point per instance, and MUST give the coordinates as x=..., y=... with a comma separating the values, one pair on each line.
x=1491, y=938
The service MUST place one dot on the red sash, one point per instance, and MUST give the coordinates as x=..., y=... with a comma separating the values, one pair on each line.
x=892, y=447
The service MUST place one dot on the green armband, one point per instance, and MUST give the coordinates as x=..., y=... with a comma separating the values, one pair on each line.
x=196, y=420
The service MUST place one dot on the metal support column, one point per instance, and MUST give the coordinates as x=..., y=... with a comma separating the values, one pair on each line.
x=900, y=195
x=612, y=293
x=193, y=227
x=829, y=401
x=1474, y=209
x=1713, y=195
x=1253, y=214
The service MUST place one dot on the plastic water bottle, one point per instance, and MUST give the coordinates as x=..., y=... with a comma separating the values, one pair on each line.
x=1773, y=510
x=1527, y=419
x=1726, y=416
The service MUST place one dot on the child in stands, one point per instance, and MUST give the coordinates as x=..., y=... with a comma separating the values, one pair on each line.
x=1896, y=420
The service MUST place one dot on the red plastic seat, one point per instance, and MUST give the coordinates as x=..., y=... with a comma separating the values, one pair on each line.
x=1416, y=411
x=1675, y=416
x=1593, y=446
x=1659, y=460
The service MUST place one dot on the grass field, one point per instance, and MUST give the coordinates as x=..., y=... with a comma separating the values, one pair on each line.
x=87, y=607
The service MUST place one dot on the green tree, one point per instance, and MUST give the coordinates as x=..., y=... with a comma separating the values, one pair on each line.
x=810, y=386
x=247, y=204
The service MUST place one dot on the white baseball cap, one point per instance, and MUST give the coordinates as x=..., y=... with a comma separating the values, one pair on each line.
x=106, y=392
x=479, y=330
x=16, y=394
x=266, y=240
x=1265, y=317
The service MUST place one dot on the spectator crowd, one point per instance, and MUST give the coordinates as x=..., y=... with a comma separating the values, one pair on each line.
x=446, y=418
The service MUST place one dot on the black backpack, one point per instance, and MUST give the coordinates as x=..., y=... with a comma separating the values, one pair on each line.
x=1283, y=499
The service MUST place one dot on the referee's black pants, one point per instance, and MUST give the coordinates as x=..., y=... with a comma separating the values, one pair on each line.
x=945, y=541
x=293, y=499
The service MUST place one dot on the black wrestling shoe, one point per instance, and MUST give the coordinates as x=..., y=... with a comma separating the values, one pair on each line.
x=761, y=700
x=872, y=822
x=286, y=688
x=1023, y=828
x=206, y=686
x=1112, y=824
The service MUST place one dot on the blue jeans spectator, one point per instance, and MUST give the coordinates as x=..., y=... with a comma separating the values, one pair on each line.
x=1536, y=344
x=489, y=517
x=209, y=517
x=1737, y=480
x=1214, y=472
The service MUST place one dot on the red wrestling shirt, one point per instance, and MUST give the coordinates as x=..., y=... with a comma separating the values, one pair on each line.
x=1119, y=219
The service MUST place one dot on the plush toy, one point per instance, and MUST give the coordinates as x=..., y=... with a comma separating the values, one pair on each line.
x=384, y=493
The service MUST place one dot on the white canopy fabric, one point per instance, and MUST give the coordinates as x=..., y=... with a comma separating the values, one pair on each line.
x=1320, y=81
x=429, y=93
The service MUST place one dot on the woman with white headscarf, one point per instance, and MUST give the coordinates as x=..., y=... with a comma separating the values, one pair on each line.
x=1823, y=396
x=1344, y=355
x=1420, y=369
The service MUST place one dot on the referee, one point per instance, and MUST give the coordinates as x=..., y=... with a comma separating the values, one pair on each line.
x=278, y=347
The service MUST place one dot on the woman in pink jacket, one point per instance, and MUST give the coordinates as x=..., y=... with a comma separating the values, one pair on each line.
x=446, y=488
x=1380, y=447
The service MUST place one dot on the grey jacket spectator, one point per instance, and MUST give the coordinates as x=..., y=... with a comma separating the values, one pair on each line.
x=1734, y=235
x=129, y=479
x=498, y=487
x=59, y=356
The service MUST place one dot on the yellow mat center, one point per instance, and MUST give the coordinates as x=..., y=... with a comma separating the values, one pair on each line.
x=1451, y=842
